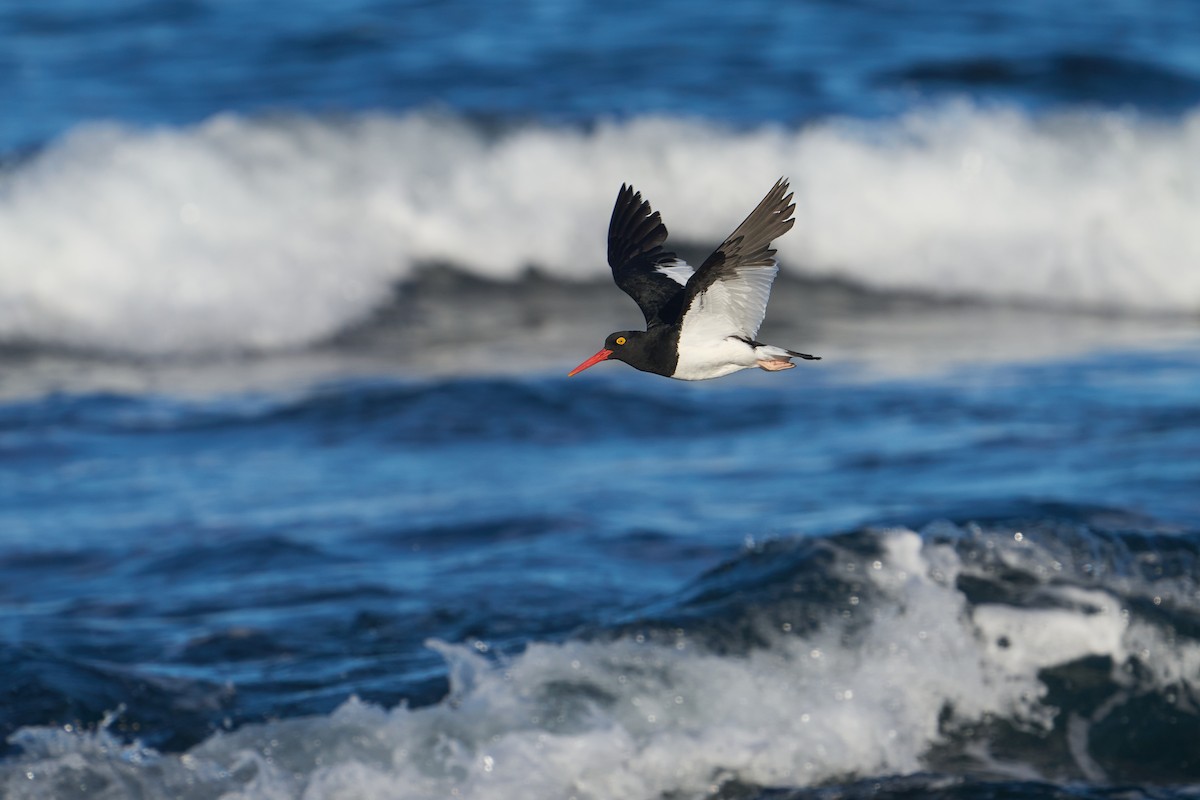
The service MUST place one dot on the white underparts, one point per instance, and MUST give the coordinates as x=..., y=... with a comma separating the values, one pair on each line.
x=704, y=358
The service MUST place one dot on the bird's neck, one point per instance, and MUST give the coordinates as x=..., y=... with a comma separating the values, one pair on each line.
x=657, y=350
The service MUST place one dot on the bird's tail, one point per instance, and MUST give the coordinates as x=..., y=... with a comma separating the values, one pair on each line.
x=770, y=351
x=773, y=359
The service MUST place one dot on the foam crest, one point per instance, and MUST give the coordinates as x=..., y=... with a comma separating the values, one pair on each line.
x=265, y=234
x=873, y=691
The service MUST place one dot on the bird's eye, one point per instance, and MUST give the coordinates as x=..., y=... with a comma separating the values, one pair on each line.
x=620, y=340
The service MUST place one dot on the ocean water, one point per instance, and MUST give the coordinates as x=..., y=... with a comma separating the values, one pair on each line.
x=296, y=500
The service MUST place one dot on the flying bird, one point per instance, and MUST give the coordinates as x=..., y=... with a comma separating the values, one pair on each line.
x=700, y=323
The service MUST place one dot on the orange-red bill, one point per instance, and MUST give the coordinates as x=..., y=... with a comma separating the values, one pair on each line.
x=596, y=359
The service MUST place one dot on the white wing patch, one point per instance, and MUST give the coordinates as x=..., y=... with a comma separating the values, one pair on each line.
x=676, y=269
x=734, y=306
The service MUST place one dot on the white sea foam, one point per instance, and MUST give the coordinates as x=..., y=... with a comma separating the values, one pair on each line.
x=633, y=718
x=265, y=234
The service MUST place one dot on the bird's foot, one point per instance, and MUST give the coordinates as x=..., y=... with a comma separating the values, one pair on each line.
x=775, y=364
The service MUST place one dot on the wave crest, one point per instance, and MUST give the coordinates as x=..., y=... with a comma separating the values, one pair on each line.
x=267, y=234
x=1015, y=649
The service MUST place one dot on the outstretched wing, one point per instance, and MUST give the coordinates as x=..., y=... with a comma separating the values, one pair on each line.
x=730, y=290
x=641, y=268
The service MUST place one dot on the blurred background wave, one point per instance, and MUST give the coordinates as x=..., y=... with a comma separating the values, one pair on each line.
x=193, y=178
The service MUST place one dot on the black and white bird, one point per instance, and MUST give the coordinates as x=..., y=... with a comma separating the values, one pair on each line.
x=700, y=323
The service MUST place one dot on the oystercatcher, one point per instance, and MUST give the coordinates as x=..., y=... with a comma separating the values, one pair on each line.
x=699, y=323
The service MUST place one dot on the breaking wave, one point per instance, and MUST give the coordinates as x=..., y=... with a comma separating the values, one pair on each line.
x=265, y=234
x=1015, y=650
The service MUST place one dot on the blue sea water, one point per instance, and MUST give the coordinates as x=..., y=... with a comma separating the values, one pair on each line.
x=297, y=501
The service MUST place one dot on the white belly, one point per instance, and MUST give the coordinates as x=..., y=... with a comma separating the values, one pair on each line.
x=704, y=358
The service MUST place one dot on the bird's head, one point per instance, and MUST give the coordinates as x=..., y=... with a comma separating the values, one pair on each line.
x=621, y=345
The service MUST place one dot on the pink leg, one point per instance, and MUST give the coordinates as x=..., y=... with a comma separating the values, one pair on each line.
x=775, y=364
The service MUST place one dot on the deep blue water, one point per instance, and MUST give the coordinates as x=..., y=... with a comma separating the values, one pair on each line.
x=181, y=61
x=296, y=501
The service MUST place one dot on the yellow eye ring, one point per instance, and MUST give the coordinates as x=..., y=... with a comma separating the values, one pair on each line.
x=620, y=340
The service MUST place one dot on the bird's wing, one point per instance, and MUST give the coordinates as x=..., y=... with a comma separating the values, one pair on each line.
x=653, y=277
x=731, y=288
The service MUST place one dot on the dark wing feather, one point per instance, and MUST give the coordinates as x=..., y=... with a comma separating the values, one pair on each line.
x=739, y=273
x=635, y=252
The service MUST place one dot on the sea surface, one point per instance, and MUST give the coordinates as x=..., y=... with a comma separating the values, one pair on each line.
x=296, y=500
